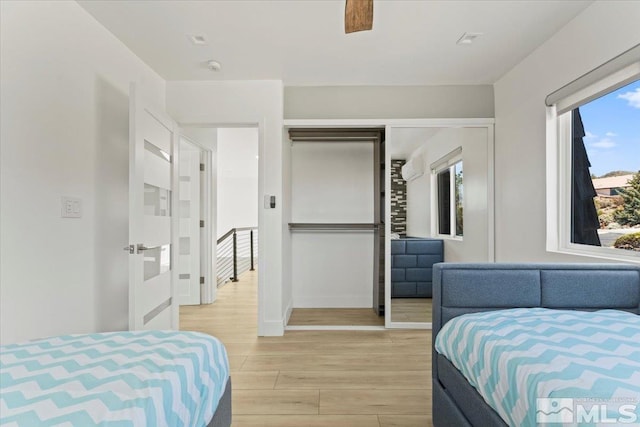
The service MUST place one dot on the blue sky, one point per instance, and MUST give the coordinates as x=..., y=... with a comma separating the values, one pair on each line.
x=612, y=125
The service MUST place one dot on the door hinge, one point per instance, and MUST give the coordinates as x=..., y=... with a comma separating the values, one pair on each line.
x=202, y=167
x=202, y=280
x=201, y=223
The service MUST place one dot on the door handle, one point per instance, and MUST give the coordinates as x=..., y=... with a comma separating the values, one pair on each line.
x=139, y=248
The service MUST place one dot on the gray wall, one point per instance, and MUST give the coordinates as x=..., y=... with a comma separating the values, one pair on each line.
x=388, y=102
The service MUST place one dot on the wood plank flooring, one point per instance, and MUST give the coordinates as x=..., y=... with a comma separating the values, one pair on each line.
x=411, y=310
x=402, y=310
x=316, y=378
x=335, y=317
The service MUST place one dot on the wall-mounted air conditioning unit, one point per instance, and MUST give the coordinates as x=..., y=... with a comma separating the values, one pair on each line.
x=414, y=168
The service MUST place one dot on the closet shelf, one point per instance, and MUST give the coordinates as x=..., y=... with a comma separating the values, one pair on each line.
x=329, y=226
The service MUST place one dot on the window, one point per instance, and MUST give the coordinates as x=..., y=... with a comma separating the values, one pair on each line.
x=448, y=174
x=605, y=156
x=444, y=202
x=457, y=168
x=594, y=187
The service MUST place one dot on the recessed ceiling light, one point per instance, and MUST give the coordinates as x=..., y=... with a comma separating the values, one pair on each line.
x=468, y=38
x=198, y=39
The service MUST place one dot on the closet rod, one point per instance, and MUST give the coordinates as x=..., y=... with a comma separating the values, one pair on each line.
x=293, y=226
x=334, y=135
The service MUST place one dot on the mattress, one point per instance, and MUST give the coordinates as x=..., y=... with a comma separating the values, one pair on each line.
x=142, y=378
x=526, y=362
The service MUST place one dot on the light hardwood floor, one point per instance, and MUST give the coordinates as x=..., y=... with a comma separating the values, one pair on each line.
x=335, y=317
x=402, y=310
x=316, y=378
x=411, y=310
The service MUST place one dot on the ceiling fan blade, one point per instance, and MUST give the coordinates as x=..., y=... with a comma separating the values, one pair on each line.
x=358, y=15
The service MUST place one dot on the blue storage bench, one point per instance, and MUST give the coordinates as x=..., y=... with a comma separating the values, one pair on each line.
x=412, y=260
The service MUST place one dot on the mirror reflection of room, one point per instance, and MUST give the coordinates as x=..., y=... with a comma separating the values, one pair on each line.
x=439, y=210
x=412, y=256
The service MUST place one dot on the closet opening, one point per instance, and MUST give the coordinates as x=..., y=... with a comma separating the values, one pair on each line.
x=337, y=227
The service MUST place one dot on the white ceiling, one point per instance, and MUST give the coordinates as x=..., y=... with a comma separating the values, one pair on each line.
x=302, y=42
x=407, y=140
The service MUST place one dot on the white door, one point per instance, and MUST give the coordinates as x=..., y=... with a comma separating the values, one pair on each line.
x=188, y=288
x=153, y=153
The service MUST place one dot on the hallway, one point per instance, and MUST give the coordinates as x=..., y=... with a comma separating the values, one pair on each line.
x=316, y=378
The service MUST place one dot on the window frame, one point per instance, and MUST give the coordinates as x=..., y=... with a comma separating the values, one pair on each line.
x=447, y=162
x=559, y=170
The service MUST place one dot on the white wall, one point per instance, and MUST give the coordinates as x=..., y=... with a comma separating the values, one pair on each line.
x=474, y=245
x=387, y=102
x=419, y=204
x=237, y=178
x=250, y=102
x=604, y=30
x=64, y=113
x=332, y=269
x=332, y=183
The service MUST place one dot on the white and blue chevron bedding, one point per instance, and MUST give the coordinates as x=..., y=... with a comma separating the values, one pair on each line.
x=511, y=357
x=142, y=378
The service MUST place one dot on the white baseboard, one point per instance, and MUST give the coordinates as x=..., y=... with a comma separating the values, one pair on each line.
x=287, y=313
x=210, y=296
x=272, y=328
x=333, y=302
x=410, y=325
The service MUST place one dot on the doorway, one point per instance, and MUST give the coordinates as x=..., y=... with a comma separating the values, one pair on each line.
x=218, y=209
x=236, y=188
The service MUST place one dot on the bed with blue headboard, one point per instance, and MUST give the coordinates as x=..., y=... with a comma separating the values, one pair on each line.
x=597, y=306
x=412, y=260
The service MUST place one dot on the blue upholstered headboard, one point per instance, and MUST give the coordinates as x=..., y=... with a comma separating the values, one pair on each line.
x=466, y=288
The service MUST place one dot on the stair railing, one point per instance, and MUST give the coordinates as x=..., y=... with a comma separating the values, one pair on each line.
x=237, y=252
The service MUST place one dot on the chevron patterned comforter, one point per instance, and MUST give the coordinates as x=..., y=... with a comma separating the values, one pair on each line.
x=511, y=357
x=145, y=378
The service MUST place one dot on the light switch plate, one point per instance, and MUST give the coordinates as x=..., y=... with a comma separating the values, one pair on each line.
x=269, y=201
x=71, y=207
